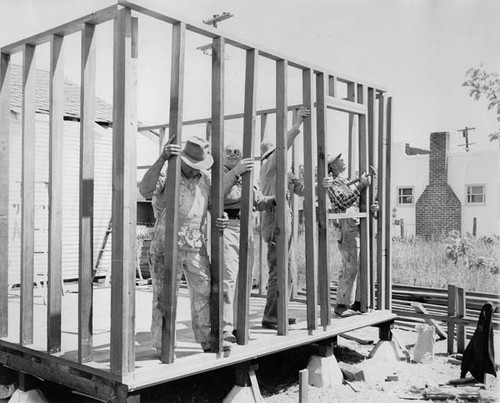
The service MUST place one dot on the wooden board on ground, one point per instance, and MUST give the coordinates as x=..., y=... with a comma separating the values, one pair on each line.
x=356, y=339
x=421, y=309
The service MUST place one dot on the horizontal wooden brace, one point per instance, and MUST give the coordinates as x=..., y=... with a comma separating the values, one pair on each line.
x=332, y=216
x=100, y=388
x=345, y=106
x=245, y=45
x=98, y=17
x=445, y=318
x=332, y=103
x=8, y=347
x=209, y=120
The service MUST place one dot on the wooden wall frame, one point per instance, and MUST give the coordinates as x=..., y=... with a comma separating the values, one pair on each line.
x=369, y=110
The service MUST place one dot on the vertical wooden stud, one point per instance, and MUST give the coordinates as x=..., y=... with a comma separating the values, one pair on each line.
x=246, y=228
x=452, y=310
x=281, y=232
x=262, y=244
x=461, y=335
x=295, y=206
x=28, y=194
x=86, y=250
x=217, y=196
x=381, y=172
x=310, y=202
x=371, y=140
x=169, y=302
x=208, y=131
x=332, y=86
x=387, y=221
x=56, y=108
x=4, y=195
x=364, y=244
x=323, y=204
x=352, y=149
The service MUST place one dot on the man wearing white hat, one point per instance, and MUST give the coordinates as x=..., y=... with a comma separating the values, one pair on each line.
x=192, y=256
x=235, y=166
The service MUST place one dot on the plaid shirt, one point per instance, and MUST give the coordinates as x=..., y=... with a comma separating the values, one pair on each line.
x=342, y=196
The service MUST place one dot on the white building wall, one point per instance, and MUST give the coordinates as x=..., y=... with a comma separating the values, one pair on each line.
x=471, y=168
x=477, y=168
x=407, y=171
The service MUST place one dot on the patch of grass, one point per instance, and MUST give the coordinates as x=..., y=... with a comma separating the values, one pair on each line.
x=471, y=263
x=428, y=263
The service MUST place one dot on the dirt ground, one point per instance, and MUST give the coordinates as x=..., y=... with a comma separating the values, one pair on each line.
x=278, y=377
x=413, y=378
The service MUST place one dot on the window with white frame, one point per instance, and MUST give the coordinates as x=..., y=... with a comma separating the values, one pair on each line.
x=405, y=195
x=476, y=194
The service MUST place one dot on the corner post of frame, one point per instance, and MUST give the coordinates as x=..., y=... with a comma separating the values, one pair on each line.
x=123, y=197
x=4, y=195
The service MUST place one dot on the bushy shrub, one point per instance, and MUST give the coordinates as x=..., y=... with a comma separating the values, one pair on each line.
x=472, y=251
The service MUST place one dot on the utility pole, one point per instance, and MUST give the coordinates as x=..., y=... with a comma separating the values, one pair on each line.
x=465, y=134
x=206, y=49
x=218, y=18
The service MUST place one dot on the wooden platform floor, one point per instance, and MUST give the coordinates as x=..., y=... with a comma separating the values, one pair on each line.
x=190, y=358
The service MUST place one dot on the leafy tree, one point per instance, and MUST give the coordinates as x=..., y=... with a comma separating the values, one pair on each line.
x=485, y=84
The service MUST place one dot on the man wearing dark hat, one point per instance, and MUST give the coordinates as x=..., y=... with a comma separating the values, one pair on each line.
x=192, y=256
x=268, y=187
x=343, y=198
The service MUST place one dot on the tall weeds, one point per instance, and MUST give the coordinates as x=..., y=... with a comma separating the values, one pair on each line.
x=471, y=263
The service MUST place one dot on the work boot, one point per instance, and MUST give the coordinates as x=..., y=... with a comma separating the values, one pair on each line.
x=229, y=337
x=344, y=312
x=206, y=346
x=356, y=306
x=273, y=323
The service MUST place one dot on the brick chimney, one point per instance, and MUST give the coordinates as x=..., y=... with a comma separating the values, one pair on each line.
x=438, y=209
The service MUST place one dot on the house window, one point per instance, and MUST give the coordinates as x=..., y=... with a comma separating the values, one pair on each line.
x=476, y=194
x=405, y=195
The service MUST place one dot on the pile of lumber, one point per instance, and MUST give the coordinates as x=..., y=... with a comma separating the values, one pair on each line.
x=409, y=302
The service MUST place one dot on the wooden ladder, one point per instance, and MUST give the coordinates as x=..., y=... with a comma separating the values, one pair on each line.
x=101, y=251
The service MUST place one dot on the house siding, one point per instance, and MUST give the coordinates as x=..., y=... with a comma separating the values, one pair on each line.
x=70, y=231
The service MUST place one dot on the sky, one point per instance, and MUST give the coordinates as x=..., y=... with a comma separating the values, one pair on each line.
x=418, y=50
